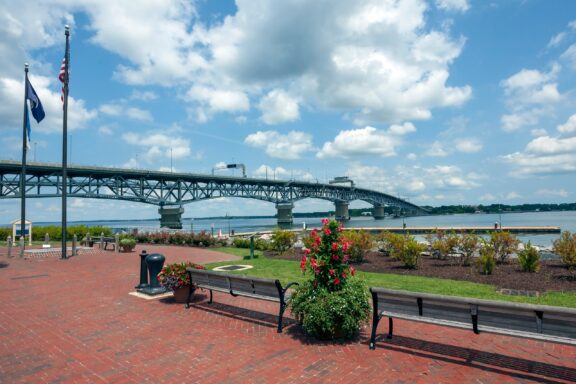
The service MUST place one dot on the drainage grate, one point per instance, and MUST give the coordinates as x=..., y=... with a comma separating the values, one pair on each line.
x=232, y=268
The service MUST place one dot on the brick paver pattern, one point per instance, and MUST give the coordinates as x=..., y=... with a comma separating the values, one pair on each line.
x=73, y=321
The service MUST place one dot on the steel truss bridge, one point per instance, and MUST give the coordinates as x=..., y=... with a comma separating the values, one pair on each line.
x=171, y=190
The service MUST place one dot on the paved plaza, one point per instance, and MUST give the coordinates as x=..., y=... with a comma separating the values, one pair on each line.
x=74, y=321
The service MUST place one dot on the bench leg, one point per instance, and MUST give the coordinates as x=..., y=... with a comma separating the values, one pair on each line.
x=190, y=294
x=280, y=315
x=375, y=321
x=390, y=327
x=210, y=301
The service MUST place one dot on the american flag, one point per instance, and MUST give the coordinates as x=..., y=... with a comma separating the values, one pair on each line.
x=62, y=77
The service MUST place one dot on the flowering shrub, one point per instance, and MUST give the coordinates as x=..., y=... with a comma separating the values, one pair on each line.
x=282, y=240
x=174, y=275
x=504, y=244
x=200, y=239
x=328, y=257
x=565, y=247
x=529, y=258
x=361, y=242
x=332, y=303
x=487, y=260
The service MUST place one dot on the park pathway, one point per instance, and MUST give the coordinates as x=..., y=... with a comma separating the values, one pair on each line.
x=73, y=321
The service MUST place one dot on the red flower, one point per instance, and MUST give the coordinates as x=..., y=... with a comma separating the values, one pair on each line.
x=345, y=245
x=332, y=272
x=344, y=274
x=313, y=232
x=346, y=258
x=340, y=228
x=334, y=246
x=336, y=281
x=325, y=221
x=318, y=240
x=353, y=271
x=327, y=231
x=314, y=263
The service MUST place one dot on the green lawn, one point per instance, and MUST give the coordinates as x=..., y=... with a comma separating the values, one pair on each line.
x=287, y=271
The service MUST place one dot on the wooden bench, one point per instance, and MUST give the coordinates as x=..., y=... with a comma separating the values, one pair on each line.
x=237, y=285
x=105, y=241
x=541, y=322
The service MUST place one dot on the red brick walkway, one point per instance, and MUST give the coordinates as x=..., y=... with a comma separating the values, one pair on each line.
x=73, y=321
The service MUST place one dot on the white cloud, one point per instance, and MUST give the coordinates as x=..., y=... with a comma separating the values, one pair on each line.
x=366, y=141
x=278, y=107
x=217, y=100
x=553, y=192
x=487, y=197
x=275, y=173
x=159, y=145
x=374, y=56
x=569, y=126
x=143, y=95
x=556, y=40
x=436, y=150
x=468, y=145
x=547, y=154
x=453, y=5
x=538, y=132
x=530, y=94
x=376, y=60
x=512, y=196
x=133, y=113
x=288, y=147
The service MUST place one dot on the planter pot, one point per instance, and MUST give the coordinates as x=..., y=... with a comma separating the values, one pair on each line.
x=181, y=294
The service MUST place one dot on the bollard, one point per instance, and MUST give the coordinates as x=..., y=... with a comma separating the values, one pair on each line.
x=101, y=240
x=155, y=262
x=117, y=243
x=89, y=240
x=143, y=271
x=9, y=244
x=21, y=246
x=74, y=249
x=251, y=247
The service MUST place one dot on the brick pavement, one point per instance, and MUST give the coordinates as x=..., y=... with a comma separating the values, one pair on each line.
x=73, y=321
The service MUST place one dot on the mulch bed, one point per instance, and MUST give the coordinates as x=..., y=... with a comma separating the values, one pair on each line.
x=553, y=276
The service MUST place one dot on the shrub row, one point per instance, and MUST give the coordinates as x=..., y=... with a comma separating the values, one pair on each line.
x=200, y=239
x=55, y=232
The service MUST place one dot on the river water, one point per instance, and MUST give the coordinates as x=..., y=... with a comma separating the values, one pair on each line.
x=565, y=220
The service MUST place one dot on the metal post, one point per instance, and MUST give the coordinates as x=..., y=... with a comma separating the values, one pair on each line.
x=143, y=271
x=65, y=140
x=101, y=240
x=24, y=148
x=9, y=244
x=251, y=247
x=74, y=249
x=21, y=246
x=117, y=243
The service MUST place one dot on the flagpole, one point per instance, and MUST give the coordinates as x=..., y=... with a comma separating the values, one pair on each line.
x=23, y=174
x=65, y=141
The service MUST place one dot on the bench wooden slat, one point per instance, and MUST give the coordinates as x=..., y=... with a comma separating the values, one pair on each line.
x=557, y=324
x=238, y=285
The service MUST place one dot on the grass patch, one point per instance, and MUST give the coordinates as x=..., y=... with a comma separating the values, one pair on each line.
x=287, y=271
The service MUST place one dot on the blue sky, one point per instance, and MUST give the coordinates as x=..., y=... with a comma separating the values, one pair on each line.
x=438, y=101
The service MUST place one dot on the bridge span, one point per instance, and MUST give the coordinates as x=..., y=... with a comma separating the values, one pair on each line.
x=171, y=190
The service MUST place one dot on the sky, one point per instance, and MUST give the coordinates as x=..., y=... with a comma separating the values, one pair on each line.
x=439, y=102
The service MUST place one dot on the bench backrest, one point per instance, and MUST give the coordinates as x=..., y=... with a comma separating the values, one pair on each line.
x=235, y=283
x=540, y=319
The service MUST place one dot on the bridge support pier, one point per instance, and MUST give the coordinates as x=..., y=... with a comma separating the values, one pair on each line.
x=284, y=213
x=378, y=213
x=171, y=217
x=342, y=210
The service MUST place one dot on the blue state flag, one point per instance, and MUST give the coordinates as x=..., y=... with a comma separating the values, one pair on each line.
x=35, y=104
